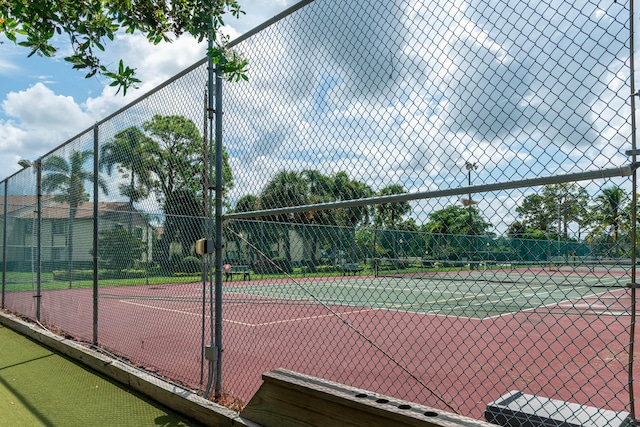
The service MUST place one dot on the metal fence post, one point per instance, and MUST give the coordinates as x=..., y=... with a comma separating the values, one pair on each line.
x=4, y=243
x=95, y=233
x=634, y=216
x=218, y=230
x=38, y=165
x=216, y=316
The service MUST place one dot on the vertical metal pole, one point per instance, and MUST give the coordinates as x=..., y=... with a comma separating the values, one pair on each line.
x=218, y=230
x=207, y=212
x=95, y=233
x=4, y=242
x=471, y=248
x=38, y=165
x=210, y=111
x=215, y=319
x=634, y=213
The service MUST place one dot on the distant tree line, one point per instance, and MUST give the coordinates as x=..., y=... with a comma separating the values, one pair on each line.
x=563, y=212
x=166, y=159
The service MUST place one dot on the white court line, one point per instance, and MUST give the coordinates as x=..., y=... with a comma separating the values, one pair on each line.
x=275, y=322
x=296, y=319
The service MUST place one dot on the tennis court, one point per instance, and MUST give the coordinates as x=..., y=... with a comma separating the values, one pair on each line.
x=471, y=294
x=509, y=324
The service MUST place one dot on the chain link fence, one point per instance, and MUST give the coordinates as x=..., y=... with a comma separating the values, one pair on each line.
x=431, y=200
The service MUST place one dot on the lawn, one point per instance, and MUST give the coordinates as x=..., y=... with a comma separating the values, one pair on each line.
x=41, y=388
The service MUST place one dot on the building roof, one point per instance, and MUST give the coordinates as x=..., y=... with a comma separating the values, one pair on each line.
x=21, y=206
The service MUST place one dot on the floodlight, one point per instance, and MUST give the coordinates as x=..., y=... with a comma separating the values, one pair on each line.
x=25, y=163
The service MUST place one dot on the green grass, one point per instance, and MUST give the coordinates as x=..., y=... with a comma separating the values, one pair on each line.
x=22, y=282
x=41, y=388
x=25, y=281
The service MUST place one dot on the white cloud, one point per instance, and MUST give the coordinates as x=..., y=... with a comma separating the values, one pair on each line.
x=40, y=120
x=156, y=63
x=7, y=67
x=39, y=107
x=522, y=100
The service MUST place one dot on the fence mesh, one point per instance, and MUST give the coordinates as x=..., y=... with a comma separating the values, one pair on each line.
x=431, y=200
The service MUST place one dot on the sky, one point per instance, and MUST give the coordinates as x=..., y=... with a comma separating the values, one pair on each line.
x=44, y=102
x=401, y=91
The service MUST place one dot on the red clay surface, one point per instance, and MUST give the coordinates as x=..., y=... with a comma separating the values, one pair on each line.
x=575, y=351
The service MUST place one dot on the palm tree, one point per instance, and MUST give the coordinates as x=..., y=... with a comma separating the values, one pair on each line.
x=345, y=188
x=610, y=210
x=128, y=151
x=67, y=178
x=388, y=214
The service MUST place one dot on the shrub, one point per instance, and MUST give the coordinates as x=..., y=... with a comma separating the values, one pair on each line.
x=191, y=264
x=103, y=274
x=273, y=266
x=310, y=265
x=327, y=268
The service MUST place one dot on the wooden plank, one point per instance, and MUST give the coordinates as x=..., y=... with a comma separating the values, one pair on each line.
x=288, y=399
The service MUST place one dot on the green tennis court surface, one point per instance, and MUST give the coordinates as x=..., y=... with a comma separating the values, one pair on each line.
x=41, y=388
x=472, y=294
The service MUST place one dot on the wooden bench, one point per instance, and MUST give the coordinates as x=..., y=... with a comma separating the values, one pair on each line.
x=352, y=268
x=245, y=270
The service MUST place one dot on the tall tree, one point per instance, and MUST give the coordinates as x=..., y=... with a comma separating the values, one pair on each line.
x=128, y=151
x=453, y=219
x=286, y=188
x=175, y=150
x=535, y=213
x=569, y=201
x=388, y=215
x=345, y=188
x=174, y=156
x=555, y=207
x=66, y=179
x=446, y=226
x=316, y=225
x=610, y=211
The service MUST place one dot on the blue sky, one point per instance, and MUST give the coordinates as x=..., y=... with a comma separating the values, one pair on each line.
x=44, y=102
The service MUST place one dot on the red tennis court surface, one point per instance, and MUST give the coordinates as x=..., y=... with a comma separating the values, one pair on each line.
x=575, y=351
